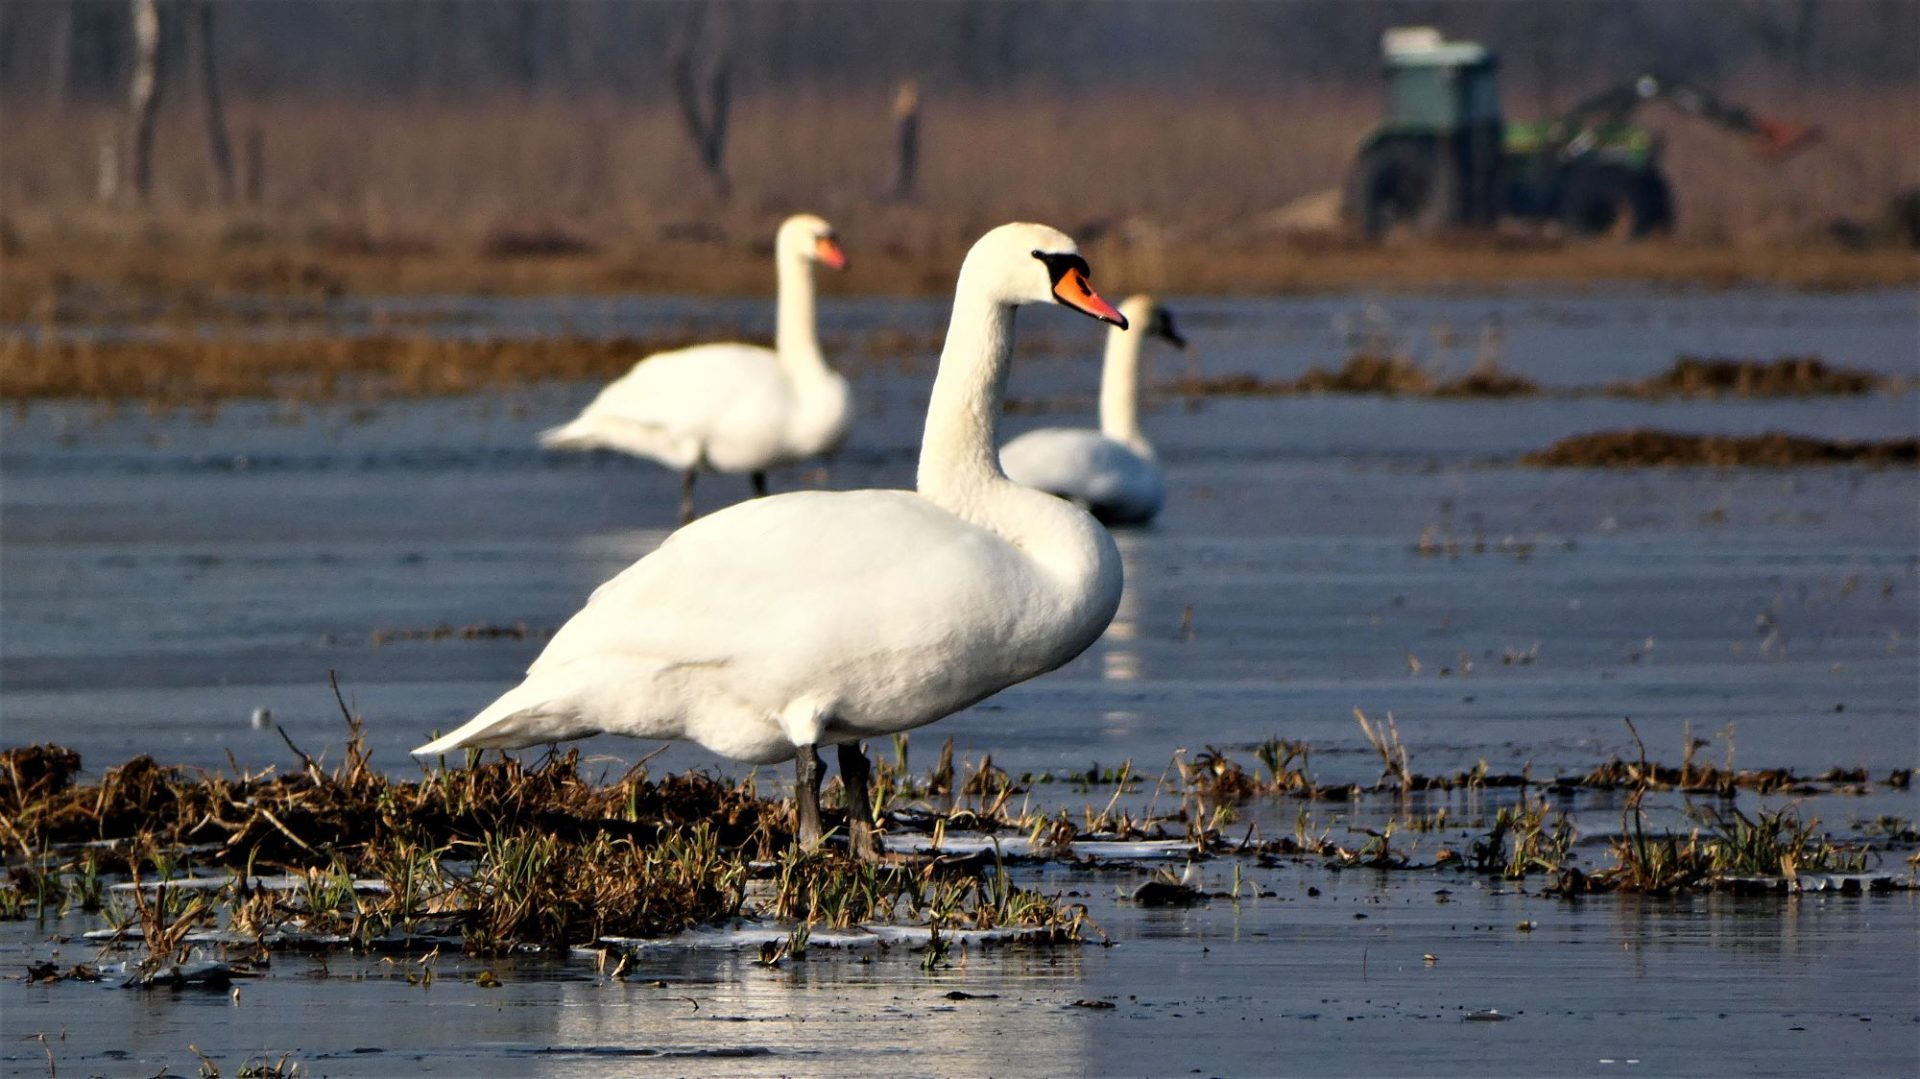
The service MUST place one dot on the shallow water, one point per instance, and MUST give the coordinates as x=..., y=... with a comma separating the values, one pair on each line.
x=1295, y=983
x=162, y=576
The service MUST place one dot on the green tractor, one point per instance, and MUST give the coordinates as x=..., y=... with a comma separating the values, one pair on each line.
x=1447, y=157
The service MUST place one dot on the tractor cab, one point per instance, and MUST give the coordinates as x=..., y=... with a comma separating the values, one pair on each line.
x=1435, y=158
x=1438, y=86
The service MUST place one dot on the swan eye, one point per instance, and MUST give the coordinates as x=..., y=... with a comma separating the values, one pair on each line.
x=1058, y=265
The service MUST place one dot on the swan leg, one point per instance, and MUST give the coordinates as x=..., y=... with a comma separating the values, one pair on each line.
x=806, y=792
x=862, y=839
x=759, y=484
x=686, y=496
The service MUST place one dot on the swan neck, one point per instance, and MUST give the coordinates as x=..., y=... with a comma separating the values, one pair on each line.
x=959, y=462
x=1120, y=387
x=795, y=336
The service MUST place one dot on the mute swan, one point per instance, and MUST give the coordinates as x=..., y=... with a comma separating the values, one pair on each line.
x=731, y=407
x=819, y=618
x=1111, y=471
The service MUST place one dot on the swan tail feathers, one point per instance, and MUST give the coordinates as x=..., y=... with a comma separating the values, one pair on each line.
x=567, y=436
x=523, y=716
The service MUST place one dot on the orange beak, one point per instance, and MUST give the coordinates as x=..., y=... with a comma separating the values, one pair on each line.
x=827, y=250
x=1076, y=292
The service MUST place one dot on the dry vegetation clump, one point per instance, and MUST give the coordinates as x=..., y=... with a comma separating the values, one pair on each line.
x=181, y=370
x=242, y=818
x=1488, y=379
x=1727, y=850
x=499, y=854
x=1642, y=448
x=1368, y=373
x=508, y=241
x=1787, y=376
x=1365, y=373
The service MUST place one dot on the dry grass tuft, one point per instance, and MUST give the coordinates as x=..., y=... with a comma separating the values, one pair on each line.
x=499, y=853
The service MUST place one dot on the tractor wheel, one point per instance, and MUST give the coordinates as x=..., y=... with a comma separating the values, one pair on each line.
x=1610, y=202
x=1393, y=185
x=1656, y=204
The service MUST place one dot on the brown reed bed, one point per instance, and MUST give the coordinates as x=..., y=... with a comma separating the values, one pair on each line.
x=1390, y=371
x=1365, y=372
x=177, y=271
x=502, y=854
x=496, y=856
x=188, y=370
x=597, y=193
x=1785, y=376
x=1646, y=448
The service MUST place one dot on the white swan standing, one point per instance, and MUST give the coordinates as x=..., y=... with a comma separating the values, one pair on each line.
x=1112, y=471
x=731, y=407
x=820, y=618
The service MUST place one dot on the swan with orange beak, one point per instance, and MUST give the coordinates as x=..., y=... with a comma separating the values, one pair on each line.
x=732, y=407
x=781, y=625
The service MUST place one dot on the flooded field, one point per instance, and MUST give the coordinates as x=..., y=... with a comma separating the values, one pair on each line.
x=164, y=576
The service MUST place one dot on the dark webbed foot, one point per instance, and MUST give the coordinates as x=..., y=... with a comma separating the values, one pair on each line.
x=759, y=484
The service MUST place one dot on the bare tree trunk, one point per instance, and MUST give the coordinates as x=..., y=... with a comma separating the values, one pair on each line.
x=906, y=119
x=60, y=59
x=144, y=98
x=703, y=108
x=218, y=146
x=106, y=178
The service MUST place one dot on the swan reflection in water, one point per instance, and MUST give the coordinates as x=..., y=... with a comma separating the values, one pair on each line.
x=868, y=1018
x=1119, y=647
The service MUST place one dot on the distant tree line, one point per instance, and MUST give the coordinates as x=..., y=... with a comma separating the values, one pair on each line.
x=56, y=51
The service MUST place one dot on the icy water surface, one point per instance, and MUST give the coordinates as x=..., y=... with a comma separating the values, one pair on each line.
x=163, y=577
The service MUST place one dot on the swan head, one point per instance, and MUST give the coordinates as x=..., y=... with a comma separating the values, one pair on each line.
x=1149, y=319
x=1027, y=264
x=808, y=238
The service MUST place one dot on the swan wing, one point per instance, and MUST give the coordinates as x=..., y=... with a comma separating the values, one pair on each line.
x=852, y=611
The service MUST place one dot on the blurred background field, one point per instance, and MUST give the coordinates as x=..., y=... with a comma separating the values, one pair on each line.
x=521, y=146
x=272, y=418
